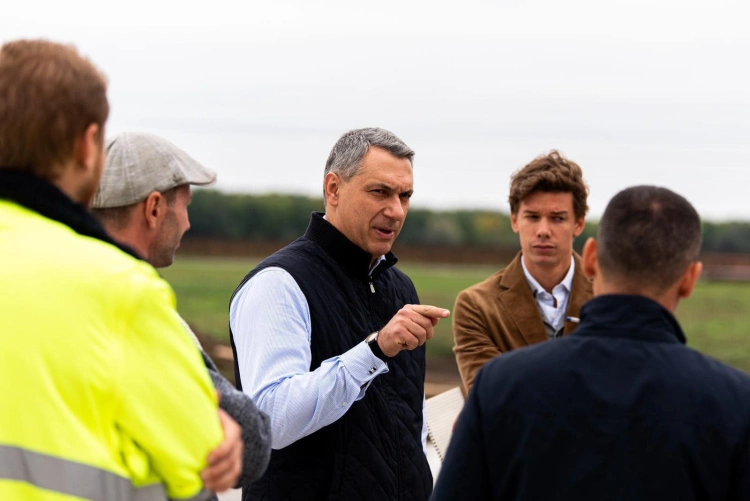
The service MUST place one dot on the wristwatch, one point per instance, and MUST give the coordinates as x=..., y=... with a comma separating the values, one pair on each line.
x=372, y=342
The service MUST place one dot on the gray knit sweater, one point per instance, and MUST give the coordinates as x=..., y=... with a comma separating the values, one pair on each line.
x=255, y=424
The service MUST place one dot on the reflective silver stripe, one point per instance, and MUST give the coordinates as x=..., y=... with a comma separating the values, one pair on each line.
x=68, y=477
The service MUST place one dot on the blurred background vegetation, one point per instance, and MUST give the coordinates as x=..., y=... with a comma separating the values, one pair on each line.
x=443, y=252
x=715, y=318
x=277, y=218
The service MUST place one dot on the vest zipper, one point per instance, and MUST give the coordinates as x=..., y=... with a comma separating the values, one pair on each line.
x=372, y=287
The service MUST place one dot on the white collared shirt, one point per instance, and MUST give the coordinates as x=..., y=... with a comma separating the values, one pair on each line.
x=552, y=306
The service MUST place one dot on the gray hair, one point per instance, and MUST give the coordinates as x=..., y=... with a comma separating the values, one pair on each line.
x=346, y=156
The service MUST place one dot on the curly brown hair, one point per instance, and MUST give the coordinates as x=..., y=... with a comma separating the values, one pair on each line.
x=49, y=96
x=551, y=173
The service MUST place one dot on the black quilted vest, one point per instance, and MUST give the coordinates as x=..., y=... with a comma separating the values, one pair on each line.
x=375, y=450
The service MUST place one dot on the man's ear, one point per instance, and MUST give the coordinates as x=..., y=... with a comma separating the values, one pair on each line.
x=689, y=279
x=589, y=258
x=514, y=222
x=87, y=148
x=331, y=186
x=580, y=224
x=154, y=209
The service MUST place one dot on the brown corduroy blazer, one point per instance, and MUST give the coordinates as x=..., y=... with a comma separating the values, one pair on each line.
x=500, y=314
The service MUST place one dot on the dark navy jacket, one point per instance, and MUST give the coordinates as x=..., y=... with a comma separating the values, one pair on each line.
x=374, y=452
x=620, y=410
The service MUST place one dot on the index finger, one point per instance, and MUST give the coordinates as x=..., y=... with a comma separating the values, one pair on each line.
x=431, y=311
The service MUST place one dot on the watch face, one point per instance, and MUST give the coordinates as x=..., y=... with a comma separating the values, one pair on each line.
x=372, y=337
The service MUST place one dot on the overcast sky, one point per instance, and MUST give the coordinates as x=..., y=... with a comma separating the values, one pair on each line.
x=636, y=92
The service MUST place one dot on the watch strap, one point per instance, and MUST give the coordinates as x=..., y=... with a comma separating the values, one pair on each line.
x=375, y=347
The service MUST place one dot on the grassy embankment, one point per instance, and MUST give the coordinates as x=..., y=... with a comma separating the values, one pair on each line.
x=716, y=319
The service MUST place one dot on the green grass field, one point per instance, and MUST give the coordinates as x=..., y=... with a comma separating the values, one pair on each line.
x=715, y=318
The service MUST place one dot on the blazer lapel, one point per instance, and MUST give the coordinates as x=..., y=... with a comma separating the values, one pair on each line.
x=519, y=303
x=581, y=292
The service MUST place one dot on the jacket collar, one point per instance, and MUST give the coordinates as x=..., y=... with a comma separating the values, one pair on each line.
x=519, y=302
x=346, y=253
x=634, y=317
x=46, y=199
x=518, y=299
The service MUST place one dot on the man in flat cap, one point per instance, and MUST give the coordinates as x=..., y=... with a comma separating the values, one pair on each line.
x=142, y=201
x=144, y=194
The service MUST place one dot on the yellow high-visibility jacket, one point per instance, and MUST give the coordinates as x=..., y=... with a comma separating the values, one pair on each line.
x=102, y=393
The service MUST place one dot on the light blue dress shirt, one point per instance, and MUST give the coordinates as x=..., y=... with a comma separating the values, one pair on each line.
x=553, y=306
x=270, y=321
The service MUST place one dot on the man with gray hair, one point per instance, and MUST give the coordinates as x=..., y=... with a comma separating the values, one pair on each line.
x=621, y=408
x=142, y=201
x=329, y=339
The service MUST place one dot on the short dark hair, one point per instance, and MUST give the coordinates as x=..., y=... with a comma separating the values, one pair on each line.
x=551, y=173
x=49, y=95
x=648, y=236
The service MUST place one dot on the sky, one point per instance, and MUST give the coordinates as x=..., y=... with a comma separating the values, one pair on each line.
x=635, y=92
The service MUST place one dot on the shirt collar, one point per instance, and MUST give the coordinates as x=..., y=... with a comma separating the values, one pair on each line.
x=567, y=281
x=375, y=265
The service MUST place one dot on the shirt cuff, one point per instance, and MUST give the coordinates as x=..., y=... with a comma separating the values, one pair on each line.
x=363, y=365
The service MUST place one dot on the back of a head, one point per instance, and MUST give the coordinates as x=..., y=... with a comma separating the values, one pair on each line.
x=647, y=238
x=550, y=173
x=49, y=95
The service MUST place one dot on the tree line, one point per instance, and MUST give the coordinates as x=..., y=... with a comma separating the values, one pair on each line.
x=283, y=217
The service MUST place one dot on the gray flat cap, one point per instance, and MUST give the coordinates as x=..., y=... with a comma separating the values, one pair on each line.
x=140, y=163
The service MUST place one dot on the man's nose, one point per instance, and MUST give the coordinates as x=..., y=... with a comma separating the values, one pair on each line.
x=542, y=228
x=395, y=209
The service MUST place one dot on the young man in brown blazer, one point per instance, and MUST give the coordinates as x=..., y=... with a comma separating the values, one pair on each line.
x=539, y=294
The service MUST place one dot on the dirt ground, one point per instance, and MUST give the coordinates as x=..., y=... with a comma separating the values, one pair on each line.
x=442, y=375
